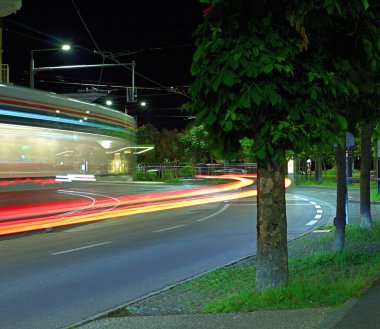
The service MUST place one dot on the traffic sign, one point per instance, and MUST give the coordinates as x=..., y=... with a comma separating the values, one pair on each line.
x=350, y=140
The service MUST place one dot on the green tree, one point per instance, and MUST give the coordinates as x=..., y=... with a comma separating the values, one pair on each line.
x=194, y=144
x=169, y=146
x=148, y=135
x=369, y=111
x=246, y=146
x=257, y=78
x=352, y=39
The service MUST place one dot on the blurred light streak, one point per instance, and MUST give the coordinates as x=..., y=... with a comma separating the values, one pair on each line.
x=57, y=214
x=75, y=177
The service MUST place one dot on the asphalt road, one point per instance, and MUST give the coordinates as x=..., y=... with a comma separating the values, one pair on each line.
x=55, y=279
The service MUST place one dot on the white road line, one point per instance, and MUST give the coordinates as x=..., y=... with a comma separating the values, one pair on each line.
x=312, y=222
x=81, y=248
x=298, y=197
x=319, y=211
x=298, y=204
x=169, y=228
x=317, y=216
x=317, y=206
x=215, y=214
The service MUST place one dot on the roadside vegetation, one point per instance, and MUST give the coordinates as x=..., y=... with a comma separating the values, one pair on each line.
x=319, y=278
x=329, y=179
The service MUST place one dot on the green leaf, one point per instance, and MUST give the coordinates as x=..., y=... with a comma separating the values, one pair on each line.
x=234, y=63
x=245, y=99
x=365, y=4
x=279, y=67
x=256, y=96
x=275, y=98
x=314, y=94
x=228, y=78
x=215, y=83
x=261, y=152
x=268, y=68
x=228, y=125
x=294, y=114
x=311, y=76
x=211, y=118
x=237, y=55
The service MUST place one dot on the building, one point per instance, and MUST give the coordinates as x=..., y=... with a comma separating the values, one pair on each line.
x=44, y=134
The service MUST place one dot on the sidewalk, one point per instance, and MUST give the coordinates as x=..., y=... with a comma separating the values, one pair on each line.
x=357, y=313
x=354, y=314
x=292, y=319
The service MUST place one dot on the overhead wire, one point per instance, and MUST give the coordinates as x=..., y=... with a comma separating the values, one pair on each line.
x=105, y=55
x=89, y=33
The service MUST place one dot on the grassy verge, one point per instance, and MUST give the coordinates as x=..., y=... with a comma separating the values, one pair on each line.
x=375, y=196
x=317, y=279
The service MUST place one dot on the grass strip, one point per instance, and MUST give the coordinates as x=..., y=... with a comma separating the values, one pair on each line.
x=319, y=279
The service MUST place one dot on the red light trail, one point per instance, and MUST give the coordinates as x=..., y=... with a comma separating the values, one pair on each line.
x=63, y=213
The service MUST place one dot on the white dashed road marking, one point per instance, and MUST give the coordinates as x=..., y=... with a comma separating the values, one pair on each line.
x=81, y=248
x=168, y=228
x=318, y=208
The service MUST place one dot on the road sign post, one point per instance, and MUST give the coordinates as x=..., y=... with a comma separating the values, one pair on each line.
x=350, y=142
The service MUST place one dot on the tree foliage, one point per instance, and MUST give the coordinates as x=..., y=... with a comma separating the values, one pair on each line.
x=255, y=82
x=194, y=144
x=187, y=146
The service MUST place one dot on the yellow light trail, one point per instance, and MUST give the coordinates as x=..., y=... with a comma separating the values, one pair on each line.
x=137, y=205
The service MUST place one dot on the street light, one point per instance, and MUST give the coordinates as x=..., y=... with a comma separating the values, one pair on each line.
x=33, y=69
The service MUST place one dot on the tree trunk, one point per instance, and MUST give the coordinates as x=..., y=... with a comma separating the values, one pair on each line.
x=340, y=219
x=272, y=250
x=365, y=173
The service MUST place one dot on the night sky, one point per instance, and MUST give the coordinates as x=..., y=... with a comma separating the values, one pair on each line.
x=157, y=35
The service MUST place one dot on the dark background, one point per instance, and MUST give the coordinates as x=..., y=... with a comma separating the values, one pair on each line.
x=157, y=35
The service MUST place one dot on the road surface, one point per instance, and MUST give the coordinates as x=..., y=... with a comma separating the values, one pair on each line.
x=56, y=279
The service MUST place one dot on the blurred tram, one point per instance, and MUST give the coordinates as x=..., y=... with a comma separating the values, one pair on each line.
x=43, y=134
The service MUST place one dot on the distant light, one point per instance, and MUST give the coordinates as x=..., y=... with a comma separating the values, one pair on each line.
x=105, y=143
x=109, y=103
x=143, y=103
x=66, y=47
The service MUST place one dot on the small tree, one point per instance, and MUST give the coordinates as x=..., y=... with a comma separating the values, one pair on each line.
x=148, y=135
x=194, y=144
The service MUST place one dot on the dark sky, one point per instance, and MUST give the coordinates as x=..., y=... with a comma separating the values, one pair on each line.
x=157, y=35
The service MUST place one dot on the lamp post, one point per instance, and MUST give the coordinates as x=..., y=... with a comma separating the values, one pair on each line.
x=33, y=69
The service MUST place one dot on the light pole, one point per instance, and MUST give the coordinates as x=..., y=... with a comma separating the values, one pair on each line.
x=33, y=69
